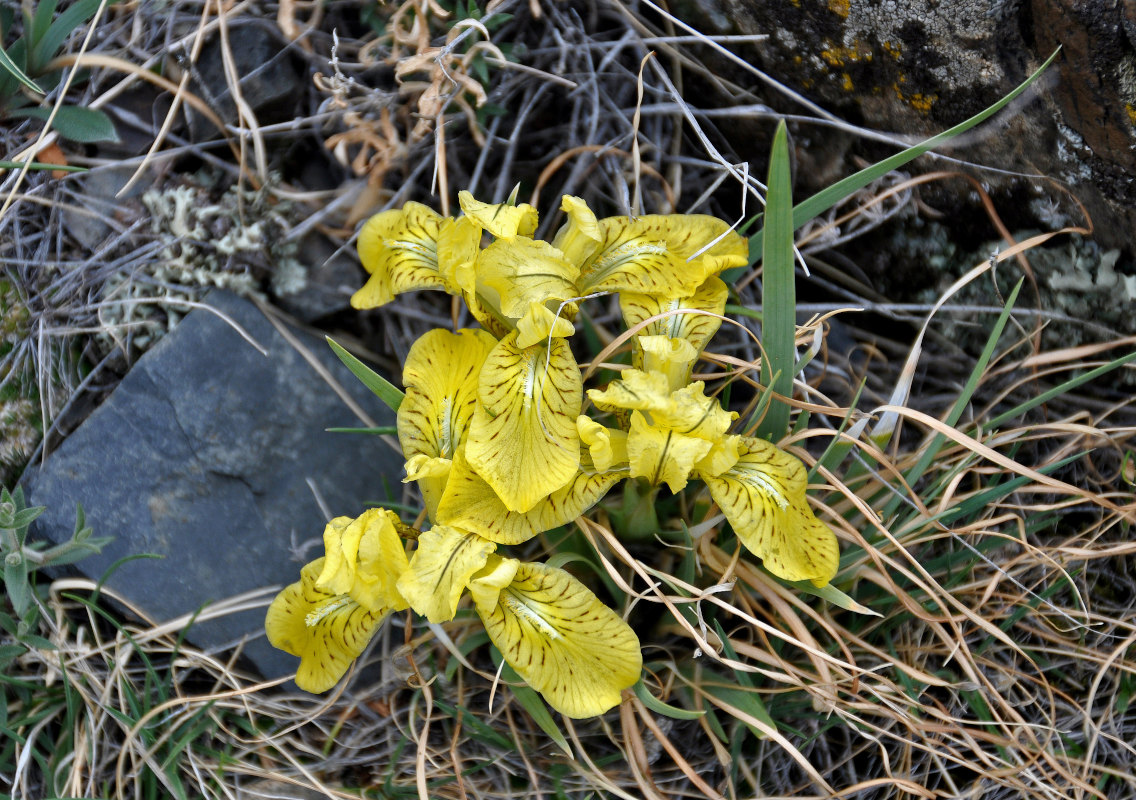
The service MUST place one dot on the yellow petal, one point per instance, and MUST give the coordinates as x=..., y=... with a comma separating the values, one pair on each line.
x=484, y=309
x=440, y=570
x=697, y=327
x=431, y=474
x=400, y=250
x=327, y=631
x=674, y=358
x=688, y=411
x=523, y=438
x=653, y=254
x=635, y=389
x=558, y=636
x=662, y=455
x=723, y=455
x=692, y=413
x=539, y=323
x=503, y=220
x=364, y=559
x=485, y=587
x=440, y=375
x=580, y=236
x=459, y=242
x=763, y=497
x=521, y=271
x=607, y=447
x=469, y=503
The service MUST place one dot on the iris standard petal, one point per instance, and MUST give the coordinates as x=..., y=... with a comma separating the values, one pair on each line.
x=521, y=271
x=364, y=559
x=579, y=237
x=503, y=220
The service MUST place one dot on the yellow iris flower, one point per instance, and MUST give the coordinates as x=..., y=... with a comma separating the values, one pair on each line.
x=328, y=616
x=676, y=432
x=492, y=430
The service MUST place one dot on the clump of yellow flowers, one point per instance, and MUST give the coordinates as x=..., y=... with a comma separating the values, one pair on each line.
x=492, y=429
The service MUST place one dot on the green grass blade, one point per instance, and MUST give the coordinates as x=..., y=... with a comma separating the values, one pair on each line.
x=778, y=289
x=930, y=452
x=386, y=391
x=36, y=165
x=659, y=707
x=13, y=69
x=1057, y=391
x=830, y=196
x=532, y=703
x=48, y=46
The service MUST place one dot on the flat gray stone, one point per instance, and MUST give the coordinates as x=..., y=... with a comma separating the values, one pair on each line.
x=201, y=456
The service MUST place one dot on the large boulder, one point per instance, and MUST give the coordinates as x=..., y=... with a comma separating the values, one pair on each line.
x=919, y=67
x=210, y=455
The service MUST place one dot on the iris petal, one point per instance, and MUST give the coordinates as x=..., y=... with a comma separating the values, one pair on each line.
x=440, y=570
x=399, y=248
x=763, y=497
x=523, y=438
x=558, y=636
x=326, y=630
x=471, y=504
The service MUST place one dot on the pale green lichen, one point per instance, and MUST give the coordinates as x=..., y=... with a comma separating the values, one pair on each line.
x=235, y=243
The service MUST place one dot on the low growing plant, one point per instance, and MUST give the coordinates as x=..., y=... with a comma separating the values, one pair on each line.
x=28, y=72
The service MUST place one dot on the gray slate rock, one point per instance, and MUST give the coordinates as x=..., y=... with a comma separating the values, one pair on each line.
x=200, y=456
x=270, y=78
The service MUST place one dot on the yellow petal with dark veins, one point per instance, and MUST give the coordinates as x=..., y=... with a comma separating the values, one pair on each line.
x=697, y=327
x=469, y=503
x=662, y=455
x=327, y=631
x=440, y=570
x=558, y=636
x=523, y=438
x=654, y=254
x=440, y=375
x=503, y=220
x=399, y=248
x=522, y=271
x=763, y=497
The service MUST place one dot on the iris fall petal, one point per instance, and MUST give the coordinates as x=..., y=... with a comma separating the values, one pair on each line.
x=326, y=630
x=523, y=438
x=763, y=497
x=558, y=636
x=469, y=503
x=399, y=248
